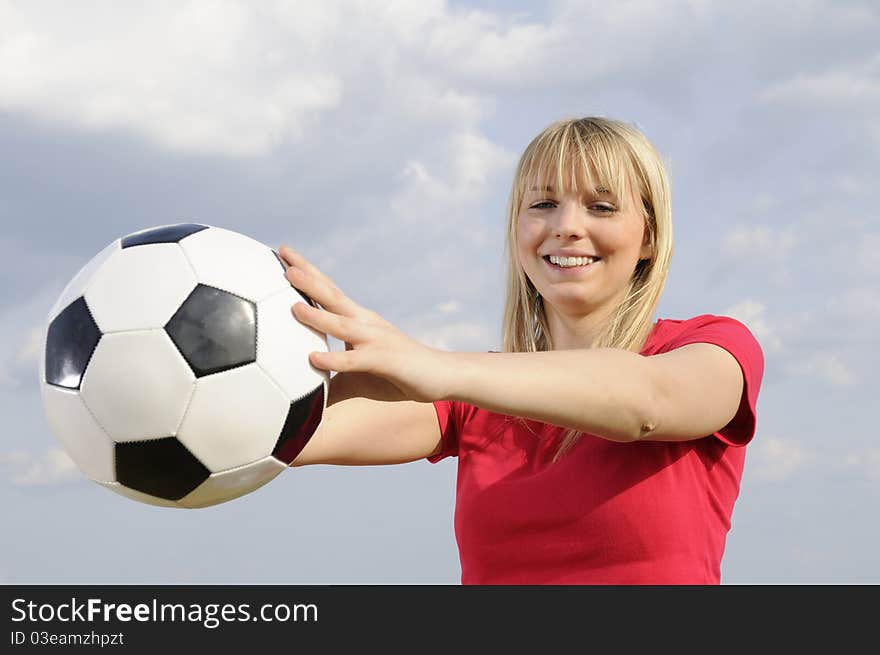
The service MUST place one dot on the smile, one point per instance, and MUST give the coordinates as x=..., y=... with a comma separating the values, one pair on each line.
x=567, y=268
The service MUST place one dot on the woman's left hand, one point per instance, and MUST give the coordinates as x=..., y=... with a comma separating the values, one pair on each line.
x=372, y=344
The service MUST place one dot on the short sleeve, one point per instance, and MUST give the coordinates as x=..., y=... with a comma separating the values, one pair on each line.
x=447, y=417
x=738, y=340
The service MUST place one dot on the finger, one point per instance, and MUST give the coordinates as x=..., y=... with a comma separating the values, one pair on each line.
x=341, y=327
x=308, y=279
x=303, y=283
x=282, y=250
x=341, y=362
x=293, y=258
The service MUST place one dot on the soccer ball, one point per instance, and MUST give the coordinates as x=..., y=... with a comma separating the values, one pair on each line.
x=174, y=372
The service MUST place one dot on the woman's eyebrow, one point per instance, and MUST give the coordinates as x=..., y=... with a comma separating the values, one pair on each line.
x=601, y=191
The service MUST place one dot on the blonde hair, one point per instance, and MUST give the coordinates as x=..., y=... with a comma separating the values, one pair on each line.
x=572, y=152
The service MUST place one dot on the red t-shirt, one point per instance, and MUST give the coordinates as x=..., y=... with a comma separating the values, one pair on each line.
x=651, y=512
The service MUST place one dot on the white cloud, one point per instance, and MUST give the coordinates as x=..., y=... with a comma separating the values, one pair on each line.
x=748, y=241
x=51, y=467
x=228, y=77
x=867, y=461
x=237, y=78
x=426, y=197
x=21, y=326
x=851, y=92
x=450, y=307
x=30, y=350
x=202, y=76
x=859, y=304
x=479, y=46
x=429, y=224
x=476, y=159
x=460, y=336
x=445, y=327
x=827, y=366
x=775, y=459
x=763, y=245
x=843, y=88
x=751, y=313
x=783, y=335
x=22, y=361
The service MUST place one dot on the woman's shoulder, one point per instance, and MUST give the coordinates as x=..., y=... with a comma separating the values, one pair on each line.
x=697, y=320
x=670, y=333
x=676, y=325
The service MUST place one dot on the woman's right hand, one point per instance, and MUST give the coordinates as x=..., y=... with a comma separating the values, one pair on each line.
x=342, y=385
x=368, y=419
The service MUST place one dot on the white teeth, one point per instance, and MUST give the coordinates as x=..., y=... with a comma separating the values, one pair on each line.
x=571, y=261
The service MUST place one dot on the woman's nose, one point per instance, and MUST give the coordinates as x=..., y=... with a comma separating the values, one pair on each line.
x=569, y=220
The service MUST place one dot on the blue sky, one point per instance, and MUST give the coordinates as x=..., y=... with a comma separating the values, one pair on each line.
x=380, y=139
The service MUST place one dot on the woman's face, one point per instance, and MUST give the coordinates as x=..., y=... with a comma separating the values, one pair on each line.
x=595, y=224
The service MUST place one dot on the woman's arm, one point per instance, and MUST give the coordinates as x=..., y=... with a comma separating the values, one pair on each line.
x=367, y=421
x=685, y=394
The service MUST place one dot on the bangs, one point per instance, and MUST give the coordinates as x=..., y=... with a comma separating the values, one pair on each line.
x=576, y=158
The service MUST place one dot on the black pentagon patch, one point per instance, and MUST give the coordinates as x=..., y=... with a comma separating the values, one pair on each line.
x=70, y=342
x=302, y=421
x=214, y=330
x=167, y=234
x=161, y=467
x=284, y=266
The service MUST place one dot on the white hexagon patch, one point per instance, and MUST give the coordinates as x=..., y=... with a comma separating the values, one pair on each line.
x=137, y=385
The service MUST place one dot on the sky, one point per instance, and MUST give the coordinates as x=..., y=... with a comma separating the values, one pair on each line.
x=379, y=139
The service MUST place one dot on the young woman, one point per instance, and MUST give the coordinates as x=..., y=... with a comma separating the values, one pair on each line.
x=598, y=447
